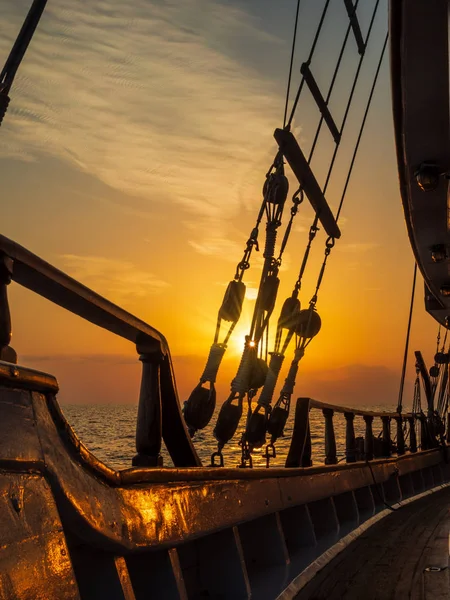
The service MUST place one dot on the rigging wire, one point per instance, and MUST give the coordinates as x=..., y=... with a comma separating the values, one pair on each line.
x=291, y=64
x=408, y=333
x=330, y=242
x=311, y=54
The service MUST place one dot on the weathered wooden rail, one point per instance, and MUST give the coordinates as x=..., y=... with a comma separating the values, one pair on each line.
x=413, y=432
x=156, y=420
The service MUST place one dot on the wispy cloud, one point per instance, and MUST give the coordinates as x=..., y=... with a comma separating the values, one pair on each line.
x=142, y=96
x=357, y=247
x=118, y=279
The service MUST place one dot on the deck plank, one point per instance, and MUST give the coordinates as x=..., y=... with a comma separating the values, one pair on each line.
x=387, y=561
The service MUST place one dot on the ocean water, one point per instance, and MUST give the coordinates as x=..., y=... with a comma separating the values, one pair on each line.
x=108, y=431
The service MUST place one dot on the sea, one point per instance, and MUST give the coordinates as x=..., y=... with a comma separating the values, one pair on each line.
x=108, y=431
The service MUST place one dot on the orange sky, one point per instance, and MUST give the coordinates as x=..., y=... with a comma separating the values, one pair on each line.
x=133, y=158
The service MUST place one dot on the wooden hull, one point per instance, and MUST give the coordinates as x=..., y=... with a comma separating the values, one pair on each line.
x=73, y=528
x=420, y=88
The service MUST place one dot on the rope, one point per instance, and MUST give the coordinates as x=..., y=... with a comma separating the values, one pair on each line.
x=291, y=64
x=408, y=333
x=213, y=363
x=241, y=383
x=289, y=382
x=276, y=362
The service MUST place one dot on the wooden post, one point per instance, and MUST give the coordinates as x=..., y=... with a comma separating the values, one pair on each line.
x=299, y=454
x=400, y=436
x=306, y=460
x=6, y=352
x=368, y=438
x=350, y=441
x=149, y=420
x=448, y=428
x=386, y=437
x=412, y=435
x=330, y=440
x=424, y=437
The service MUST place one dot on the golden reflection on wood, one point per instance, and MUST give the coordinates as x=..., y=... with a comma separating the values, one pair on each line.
x=178, y=573
x=124, y=578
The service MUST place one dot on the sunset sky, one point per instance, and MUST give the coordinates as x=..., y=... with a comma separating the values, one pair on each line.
x=133, y=157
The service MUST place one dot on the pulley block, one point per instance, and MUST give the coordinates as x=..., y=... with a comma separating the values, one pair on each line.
x=441, y=358
x=277, y=421
x=308, y=323
x=199, y=407
x=258, y=373
x=228, y=420
x=269, y=290
x=255, y=432
x=434, y=371
x=289, y=313
x=232, y=301
x=276, y=188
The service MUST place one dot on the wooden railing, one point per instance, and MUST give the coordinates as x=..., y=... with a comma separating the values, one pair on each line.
x=159, y=415
x=367, y=445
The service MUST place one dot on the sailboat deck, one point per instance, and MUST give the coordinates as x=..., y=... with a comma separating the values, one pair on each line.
x=389, y=560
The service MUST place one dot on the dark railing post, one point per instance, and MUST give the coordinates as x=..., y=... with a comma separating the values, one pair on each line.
x=306, y=460
x=6, y=352
x=448, y=429
x=424, y=436
x=386, y=437
x=299, y=454
x=368, y=438
x=400, y=436
x=412, y=434
x=350, y=441
x=330, y=440
x=149, y=420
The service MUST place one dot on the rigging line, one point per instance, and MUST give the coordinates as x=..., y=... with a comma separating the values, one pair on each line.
x=361, y=130
x=330, y=90
x=21, y=44
x=408, y=332
x=349, y=103
x=291, y=64
x=311, y=53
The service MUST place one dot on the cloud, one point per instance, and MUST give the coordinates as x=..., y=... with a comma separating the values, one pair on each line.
x=118, y=279
x=218, y=246
x=352, y=385
x=143, y=96
x=357, y=247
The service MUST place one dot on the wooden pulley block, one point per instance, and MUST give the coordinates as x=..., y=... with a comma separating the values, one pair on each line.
x=289, y=313
x=232, y=302
x=308, y=323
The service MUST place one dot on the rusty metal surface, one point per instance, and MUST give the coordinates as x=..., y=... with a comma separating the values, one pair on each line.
x=34, y=559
